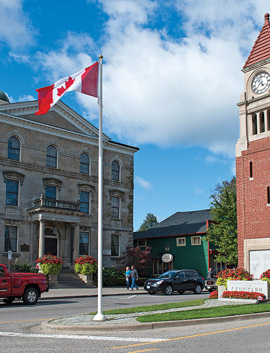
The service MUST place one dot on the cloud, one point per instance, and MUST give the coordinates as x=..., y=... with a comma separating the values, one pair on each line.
x=143, y=183
x=167, y=84
x=16, y=30
x=198, y=191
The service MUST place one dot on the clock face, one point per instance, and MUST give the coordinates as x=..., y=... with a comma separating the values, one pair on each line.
x=260, y=82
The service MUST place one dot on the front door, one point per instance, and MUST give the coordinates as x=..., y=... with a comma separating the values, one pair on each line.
x=51, y=246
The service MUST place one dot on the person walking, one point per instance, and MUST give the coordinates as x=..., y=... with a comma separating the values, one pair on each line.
x=128, y=278
x=134, y=278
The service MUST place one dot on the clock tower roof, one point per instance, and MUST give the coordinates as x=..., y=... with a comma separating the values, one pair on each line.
x=261, y=48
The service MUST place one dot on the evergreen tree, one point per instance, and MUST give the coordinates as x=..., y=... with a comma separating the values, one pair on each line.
x=149, y=222
x=222, y=230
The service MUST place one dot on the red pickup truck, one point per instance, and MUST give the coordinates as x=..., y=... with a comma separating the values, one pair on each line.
x=27, y=286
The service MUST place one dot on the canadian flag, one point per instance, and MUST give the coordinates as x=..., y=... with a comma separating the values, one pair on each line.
x=84, y=81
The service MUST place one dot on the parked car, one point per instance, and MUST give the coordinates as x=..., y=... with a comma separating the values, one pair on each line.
x=210, y=284
x=175, y=280
x=27, y=286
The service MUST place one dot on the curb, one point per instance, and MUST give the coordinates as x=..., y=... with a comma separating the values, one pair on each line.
x=47, y=325
x=85, y=295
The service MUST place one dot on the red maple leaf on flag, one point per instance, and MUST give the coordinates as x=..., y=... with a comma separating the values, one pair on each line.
x=62, y=89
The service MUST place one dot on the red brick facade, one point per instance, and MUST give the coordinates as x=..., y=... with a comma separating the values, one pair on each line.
x=253, y=210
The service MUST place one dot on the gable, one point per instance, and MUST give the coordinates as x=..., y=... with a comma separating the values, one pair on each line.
x=60, y=116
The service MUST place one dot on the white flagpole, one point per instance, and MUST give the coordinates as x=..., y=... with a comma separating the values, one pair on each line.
x=99, y=316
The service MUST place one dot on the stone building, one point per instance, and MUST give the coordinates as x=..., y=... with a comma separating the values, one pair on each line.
x=253, y=159
x=49, y=185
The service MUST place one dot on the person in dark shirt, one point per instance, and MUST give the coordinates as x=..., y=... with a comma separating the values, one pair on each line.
x=134, y=278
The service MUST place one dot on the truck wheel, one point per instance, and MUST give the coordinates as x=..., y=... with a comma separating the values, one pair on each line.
x=30, y=296
x=8, y=301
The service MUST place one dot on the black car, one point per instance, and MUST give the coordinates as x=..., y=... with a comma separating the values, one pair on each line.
x=175, y=280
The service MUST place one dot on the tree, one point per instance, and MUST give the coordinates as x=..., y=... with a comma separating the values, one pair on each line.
x=138, y=257
x=222, y=230
x=149, y=222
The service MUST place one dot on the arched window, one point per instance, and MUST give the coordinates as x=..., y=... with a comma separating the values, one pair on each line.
x=51, y=157
x=115, y=171
x=14, y=148
x=84, y=163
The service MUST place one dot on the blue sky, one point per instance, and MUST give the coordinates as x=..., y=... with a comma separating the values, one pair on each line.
x=172, y=79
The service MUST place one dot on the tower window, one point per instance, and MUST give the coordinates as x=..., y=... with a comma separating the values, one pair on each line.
x=250, y=170
x=254, y=125
x=262, y=124
x=268, y=120
x=268, y=195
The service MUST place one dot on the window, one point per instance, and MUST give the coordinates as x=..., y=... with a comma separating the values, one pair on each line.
x=14, y=148
x=84, y=201
x=2, y=273
x=181, y=241
x=141, y=243
x=115, y=207
x=254, y=125
x=195, y=240
x=250, y=170
x=115, y=171
x=12, y=192
x=50, y=192
x=160, y=267
x=115, y=248
x=84, y=163
x=11, y=238
x=268, y=195
x=51, y=157
x=84, y=243
x=262, y=124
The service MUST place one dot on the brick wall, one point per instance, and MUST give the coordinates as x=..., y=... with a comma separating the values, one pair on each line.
x=253, y=211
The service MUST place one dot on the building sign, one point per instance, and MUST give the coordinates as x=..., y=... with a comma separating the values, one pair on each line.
x=249, y=286
x=259, y=262
x=167, y=258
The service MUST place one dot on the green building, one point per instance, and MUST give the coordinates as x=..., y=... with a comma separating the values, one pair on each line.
x=182, y=237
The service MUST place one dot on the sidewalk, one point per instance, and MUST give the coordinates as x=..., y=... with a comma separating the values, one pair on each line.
x=59, y=293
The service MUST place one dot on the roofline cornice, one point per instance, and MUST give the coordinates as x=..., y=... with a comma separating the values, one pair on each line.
x=256, y=65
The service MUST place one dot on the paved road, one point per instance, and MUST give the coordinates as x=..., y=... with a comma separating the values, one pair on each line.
x=19, y=333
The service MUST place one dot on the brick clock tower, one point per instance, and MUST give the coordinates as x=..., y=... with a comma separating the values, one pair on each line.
x=253, y=159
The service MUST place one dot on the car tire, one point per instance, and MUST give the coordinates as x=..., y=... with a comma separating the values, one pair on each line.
x=8, y=301
x=30, y=296
x=152, y=293
x=181, y=291
x=168, y=290
x=198, y=289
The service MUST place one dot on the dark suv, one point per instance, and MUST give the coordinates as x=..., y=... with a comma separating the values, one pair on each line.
x=175, y=280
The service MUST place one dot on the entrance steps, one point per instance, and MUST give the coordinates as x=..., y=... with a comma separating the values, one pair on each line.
x=68, y=279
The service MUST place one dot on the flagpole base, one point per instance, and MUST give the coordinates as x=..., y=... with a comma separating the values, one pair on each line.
x=99, y=317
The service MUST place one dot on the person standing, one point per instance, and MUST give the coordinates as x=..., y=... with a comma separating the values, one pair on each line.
x=128, y=278
x=134, y=278
x=210, y=273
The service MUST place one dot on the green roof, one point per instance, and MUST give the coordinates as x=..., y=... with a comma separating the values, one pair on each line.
x=4, y=97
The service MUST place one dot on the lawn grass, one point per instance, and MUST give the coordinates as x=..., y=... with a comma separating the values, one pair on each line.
x=219, y=311
x=141, y=309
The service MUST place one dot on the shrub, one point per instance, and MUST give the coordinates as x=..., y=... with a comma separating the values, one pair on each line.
x=26, y=268
x=50, y=264
x=265, y=276
x=85, y=265
x=243, y=295
x=237, y=274
x=213, y=295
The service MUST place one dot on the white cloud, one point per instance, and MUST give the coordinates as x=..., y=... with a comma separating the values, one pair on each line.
x=143, y=183
x=15, y=28
x=161, y=89
x=198, y=191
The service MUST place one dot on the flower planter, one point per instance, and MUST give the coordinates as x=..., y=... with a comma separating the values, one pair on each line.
x=88, y=279
x=53, y=282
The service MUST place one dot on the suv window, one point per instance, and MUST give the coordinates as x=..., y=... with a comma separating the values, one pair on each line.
x=190, y=274
x=1, y=271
